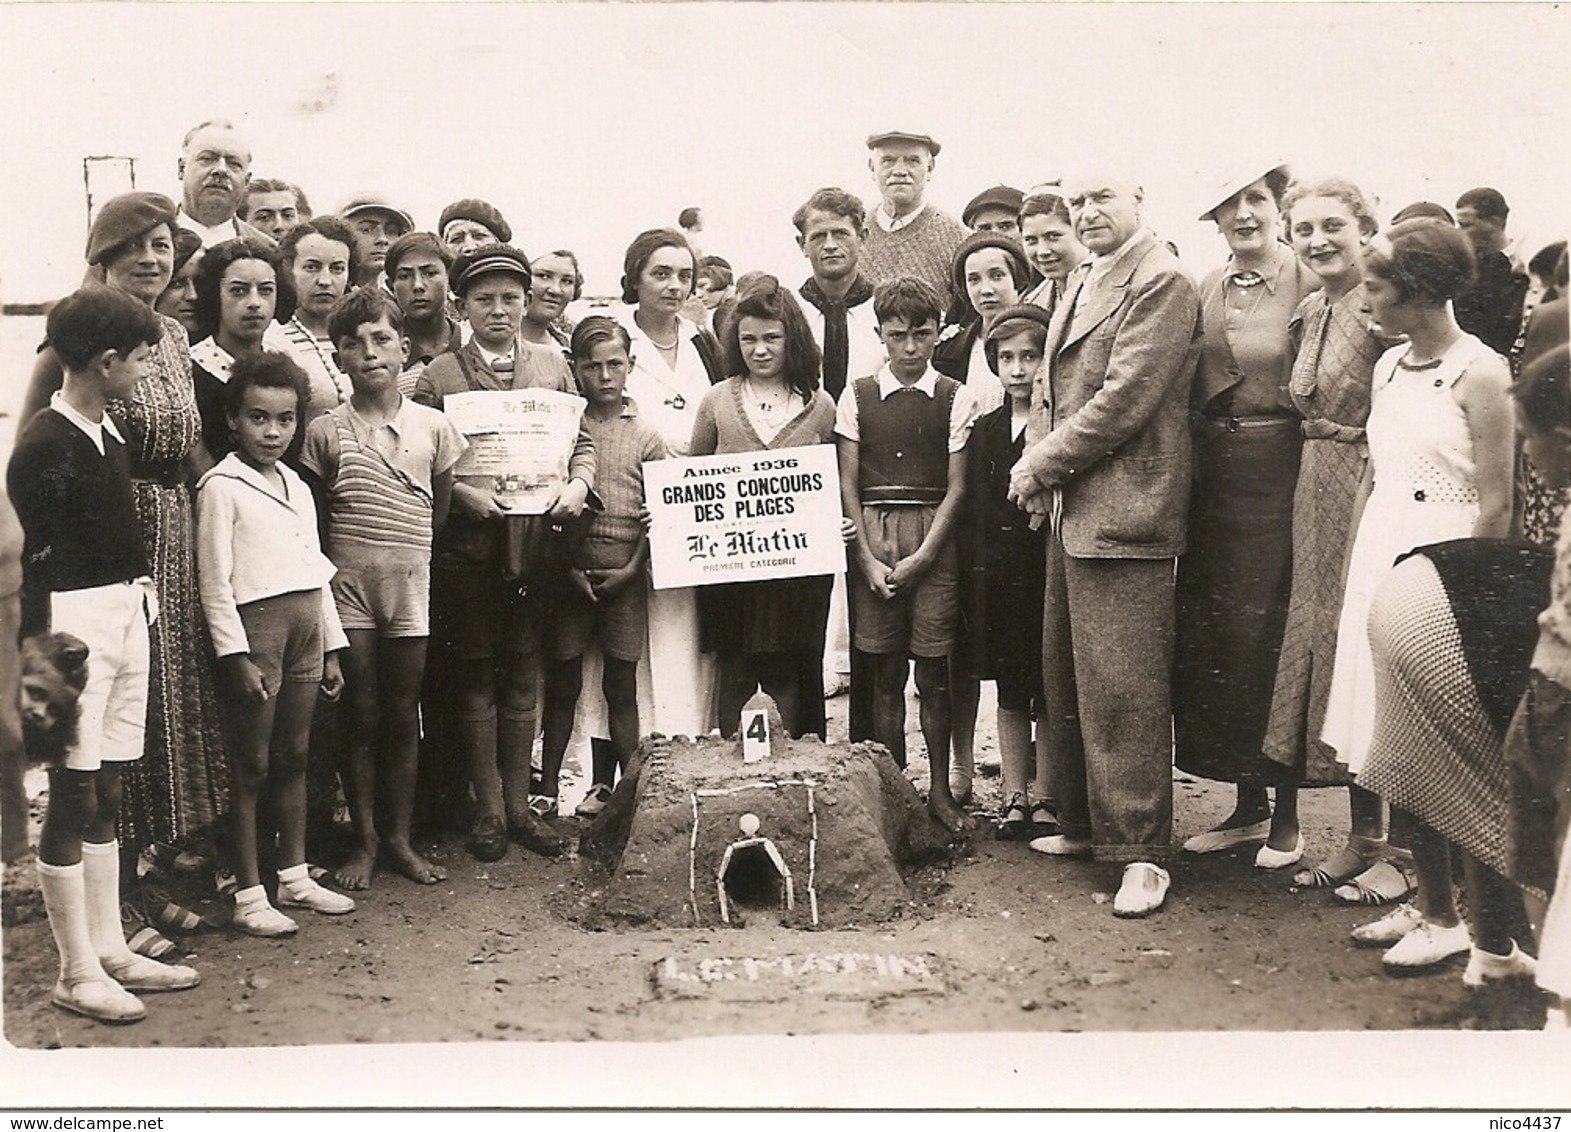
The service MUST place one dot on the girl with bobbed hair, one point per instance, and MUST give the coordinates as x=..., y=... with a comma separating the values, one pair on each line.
x=674, y=361
x=1441, y=449
x=240, y=288
x=1048, y=236
x=767, y=635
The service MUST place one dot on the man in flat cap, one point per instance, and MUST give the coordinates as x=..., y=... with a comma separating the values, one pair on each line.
x=907, y=236
x=376, y=224
x=995, y=210
x=215, y=168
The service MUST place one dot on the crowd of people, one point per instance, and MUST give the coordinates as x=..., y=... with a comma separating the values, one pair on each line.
x=1297, y=525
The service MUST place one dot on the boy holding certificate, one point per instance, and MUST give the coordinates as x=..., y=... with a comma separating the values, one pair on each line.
x=487, y=616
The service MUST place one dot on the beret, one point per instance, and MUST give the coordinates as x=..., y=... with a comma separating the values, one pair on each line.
x=126, y=217
x=481, y=212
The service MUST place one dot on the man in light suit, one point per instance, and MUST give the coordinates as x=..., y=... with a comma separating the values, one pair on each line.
x=1107, y=462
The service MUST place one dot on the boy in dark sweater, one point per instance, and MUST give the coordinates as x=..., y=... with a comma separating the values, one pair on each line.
x=85, y=573
x=901, y=435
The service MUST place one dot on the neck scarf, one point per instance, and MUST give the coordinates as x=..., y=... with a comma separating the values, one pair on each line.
x=837, y=338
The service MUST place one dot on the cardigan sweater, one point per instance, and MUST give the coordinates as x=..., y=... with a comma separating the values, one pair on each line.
x=77, y=512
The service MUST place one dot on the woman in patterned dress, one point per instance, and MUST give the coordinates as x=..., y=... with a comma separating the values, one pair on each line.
x=180, y=786
x=1329, y=223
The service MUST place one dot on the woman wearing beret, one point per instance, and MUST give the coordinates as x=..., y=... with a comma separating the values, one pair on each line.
x=1235, y=575
x=180, y=786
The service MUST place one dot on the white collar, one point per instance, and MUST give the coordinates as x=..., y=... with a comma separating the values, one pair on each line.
x=93, y=430
x=217, y=234
x=895, y=223
x=214, y=358
x=235, y=468
x=492, y=359
x=888, y=383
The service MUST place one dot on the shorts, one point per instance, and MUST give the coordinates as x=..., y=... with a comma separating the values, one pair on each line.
x=1538, y=772
x=477, y=615
x=285, y=636
x=619, y=624
x=386, y=590
x=922, y=621
x=112, y=622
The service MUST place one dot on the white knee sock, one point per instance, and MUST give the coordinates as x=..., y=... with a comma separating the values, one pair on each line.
x=101, y=873
x=65, y=899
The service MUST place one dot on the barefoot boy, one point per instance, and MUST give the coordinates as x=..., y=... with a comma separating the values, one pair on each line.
x=85, y=573
x=902, y=435
x=387, y=464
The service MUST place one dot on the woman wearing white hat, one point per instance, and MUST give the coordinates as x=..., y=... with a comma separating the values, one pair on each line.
x=1234, y=578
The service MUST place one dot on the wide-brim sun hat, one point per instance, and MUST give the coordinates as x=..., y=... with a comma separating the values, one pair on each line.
x=1239, y=180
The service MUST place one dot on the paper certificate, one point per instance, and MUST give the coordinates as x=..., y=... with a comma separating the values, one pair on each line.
x=520, y=441
x=744, y=516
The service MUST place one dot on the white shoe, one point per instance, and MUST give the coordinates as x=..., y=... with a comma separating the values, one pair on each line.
x=1485, y=967
x=138, y=973
x=1427, y=945
x=1143, y=891
x=262, y=919
x=1218, y=840
x=1390, y=928
x=102, y=1000
x=1269, y=858
x=309, y=894
x=1059, y=845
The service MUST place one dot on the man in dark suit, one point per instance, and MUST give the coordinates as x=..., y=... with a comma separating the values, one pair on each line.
x=1107, y=463
x=1492, y=308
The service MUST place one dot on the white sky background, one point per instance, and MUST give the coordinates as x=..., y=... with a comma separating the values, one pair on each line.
x=588, y=123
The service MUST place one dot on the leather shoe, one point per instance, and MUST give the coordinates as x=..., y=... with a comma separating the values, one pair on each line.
x=1218, y=840
x=488, y=842
x=1143, y=890
x=1061, y=845
x=1269, y=858
x=535, y=834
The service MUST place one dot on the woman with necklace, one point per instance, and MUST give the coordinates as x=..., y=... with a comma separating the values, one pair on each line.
x=674, y=361
x=674, y=365
x=767, y=635
x=319, y=260
x=1441, y=448
x=238, y=290
x=1236, y=573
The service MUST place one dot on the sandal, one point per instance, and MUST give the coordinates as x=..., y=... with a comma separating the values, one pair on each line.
x=1044, y=821
x=1014, y=824
x=142, y=937
x=1381, y=883
x=1357, y=856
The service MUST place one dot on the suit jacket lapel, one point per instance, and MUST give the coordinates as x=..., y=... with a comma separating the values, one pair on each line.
x=1108, y=295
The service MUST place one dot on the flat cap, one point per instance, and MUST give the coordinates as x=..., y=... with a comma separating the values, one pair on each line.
x=999, y=196
x=369, y=203
x=876, y=140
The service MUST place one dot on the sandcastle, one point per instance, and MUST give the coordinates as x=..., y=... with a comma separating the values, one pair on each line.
x=715, y=831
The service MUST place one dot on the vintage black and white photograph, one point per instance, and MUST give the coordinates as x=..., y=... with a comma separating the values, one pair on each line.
x=724, y=554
